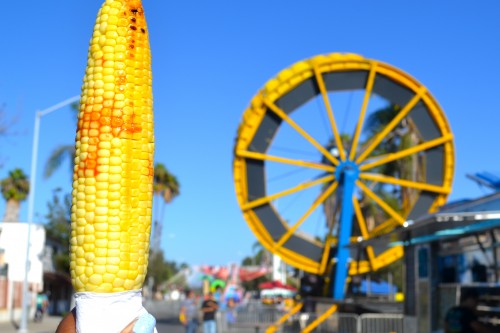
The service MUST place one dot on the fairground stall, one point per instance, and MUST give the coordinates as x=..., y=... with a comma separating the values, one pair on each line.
x=448, y=252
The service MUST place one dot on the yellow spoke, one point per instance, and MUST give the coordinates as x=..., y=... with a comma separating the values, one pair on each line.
x=397, y=119
x=360, y=218
x=326, y=100
x=382, y=228
x=405, y=183
x=265, y=157
x=326, y=254
x=280, y=113
x=364, y=231
x=320, y=319
x=274, y=327
x=400, y=219
x=322, y=197
x=371, y=257
x=407, y=152
x=300, y=187
x=359, y=126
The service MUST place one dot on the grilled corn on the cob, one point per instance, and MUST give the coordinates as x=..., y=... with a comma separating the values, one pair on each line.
x=113, y=173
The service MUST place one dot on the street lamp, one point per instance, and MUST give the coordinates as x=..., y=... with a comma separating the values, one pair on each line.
x=23, y=326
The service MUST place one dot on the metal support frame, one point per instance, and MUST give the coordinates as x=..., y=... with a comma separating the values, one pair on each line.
x=347, y=174
x=495, y=254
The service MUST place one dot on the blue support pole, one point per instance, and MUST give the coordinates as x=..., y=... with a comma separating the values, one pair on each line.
x=348, y=179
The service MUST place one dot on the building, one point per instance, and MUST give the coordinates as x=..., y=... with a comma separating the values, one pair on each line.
x=42, y=277
x=56, y=283
x=13, y=245
x=455, y=249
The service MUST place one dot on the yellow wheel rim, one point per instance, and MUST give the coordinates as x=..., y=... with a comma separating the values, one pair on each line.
x=319, y=78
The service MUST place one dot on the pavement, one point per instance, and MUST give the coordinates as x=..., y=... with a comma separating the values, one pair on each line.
x=48, y=325
x=166, y=314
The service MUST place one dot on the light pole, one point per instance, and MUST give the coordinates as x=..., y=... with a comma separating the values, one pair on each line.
x=23, y=326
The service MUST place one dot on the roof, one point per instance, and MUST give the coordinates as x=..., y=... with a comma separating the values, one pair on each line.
x=454, y=221
x=486, y=203
x=443, y=226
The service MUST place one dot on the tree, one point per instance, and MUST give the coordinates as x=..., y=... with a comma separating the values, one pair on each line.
x=58, y=224
x=160, y=270
x=402, y=137
x=58, y=228
x=15, y=189
x=166, y=187
x=57, y=158
x=262, y=257
x=62, y=153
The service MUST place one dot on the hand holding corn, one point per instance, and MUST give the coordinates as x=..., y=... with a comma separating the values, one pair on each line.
x=113, y=173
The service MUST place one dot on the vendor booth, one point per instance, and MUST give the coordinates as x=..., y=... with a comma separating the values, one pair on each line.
x=446, y=253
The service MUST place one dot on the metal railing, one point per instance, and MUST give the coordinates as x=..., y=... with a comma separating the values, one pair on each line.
x=259, y=318
x=348, y=322
x=381, y=323
x=252, y=317
x=256, y=317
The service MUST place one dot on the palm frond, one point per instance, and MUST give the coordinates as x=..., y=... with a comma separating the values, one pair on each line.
x=57, y=157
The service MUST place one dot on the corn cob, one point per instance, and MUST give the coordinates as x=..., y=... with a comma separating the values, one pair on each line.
x=113, y=172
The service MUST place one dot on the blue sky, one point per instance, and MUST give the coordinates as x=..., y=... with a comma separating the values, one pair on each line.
x=211, y=57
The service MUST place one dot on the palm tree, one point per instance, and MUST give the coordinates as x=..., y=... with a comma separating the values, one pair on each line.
x=402, y=137
x=166, y=187
x=262, y=256
x=62, y=153
x=15, y=188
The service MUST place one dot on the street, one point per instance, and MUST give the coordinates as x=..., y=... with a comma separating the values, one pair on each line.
x=164, y=312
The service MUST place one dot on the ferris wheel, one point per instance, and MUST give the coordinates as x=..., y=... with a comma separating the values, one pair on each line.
x=335, y=150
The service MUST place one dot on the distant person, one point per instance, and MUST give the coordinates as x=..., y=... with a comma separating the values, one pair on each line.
x=42, y=304
x=463, y=318
x=217, y=293
x=209, y=308
x=280, y=305
x=189, y=312
x=219, y=297
x=231, y=311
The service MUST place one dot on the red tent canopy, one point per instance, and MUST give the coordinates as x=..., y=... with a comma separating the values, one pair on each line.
x=275, y=284
x=247, y=273
x=252, y=274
